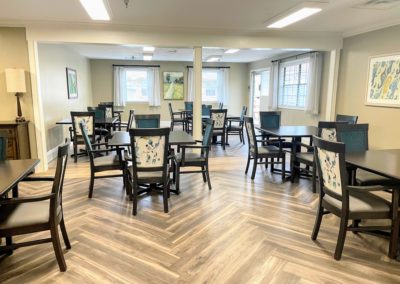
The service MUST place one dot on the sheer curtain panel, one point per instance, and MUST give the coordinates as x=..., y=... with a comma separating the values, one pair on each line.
x=153, y=86
x=119, y=86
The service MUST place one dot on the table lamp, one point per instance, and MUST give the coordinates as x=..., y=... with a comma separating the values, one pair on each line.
x=15, y=82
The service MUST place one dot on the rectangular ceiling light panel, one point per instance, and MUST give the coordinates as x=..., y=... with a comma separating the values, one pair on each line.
x=96, y=9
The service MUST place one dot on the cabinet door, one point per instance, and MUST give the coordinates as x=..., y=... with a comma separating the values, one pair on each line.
x=10, y=133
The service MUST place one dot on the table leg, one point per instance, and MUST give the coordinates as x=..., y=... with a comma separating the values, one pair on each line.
x=394, y=238
x=15, y=191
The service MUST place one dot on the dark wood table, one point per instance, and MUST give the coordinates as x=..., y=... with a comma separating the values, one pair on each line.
x=109, y=121
x=296, y=133
x=12, y=172
x=385, y=163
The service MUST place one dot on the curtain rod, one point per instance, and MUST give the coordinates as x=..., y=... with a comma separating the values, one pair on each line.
x=118, y=65
x=295, y=56
x=211, y=67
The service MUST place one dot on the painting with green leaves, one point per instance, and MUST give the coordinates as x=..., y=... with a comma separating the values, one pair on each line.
x=173, y=85
x=72, y=84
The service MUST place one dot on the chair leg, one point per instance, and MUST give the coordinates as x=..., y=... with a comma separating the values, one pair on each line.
x=223, y=140
x=203, y=174
x=318, y=220
x=165, y=196
x=341, y=237
x=64, y=234
x=253, y=174
x=247, y=165
x=9, y=243
x=75, y=153
x=177, y=169
x=283, y=167
x=314, y=178
x=91, y=183
x=57, y=248
x=208, y=177
x=272, y=165
x=134, y=199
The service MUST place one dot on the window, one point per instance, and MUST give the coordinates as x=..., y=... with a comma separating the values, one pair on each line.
x=136, y=85
x=293, y=77
x=210, y=85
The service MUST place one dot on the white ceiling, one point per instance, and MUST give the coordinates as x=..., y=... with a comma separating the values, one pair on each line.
x=341, y=16
x=125, y=52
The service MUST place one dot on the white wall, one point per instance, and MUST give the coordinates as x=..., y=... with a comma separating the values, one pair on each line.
x=53, y=61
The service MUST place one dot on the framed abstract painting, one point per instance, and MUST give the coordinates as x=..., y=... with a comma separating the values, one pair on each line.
x=384, y=81
x=173, y=85
x=72, y=84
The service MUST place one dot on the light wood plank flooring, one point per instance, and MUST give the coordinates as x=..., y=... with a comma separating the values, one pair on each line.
x=241, y=231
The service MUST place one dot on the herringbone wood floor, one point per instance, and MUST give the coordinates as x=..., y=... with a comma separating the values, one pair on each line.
x=241, y=231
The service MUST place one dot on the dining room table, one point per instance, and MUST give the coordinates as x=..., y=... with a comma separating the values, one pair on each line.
x=385, y=163
x=12, y=172
x=108, y=121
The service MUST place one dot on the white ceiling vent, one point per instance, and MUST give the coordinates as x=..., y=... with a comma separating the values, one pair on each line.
x=378, y=4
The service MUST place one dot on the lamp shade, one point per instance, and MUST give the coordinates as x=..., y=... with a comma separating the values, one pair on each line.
x=15, y=80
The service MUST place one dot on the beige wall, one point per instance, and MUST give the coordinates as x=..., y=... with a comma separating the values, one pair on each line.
x=352, y=87
x=102, y=86
x=14, y=54
x=53, y=61
x=299, y=117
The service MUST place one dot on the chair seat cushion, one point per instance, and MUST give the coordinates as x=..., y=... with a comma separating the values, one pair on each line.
x=190, y=157
x=144, y=177
x=305, y=156
x=367, y=178
x=24, y=214
x=110, y=160
x=285, y=144
x=234, y=128
x=362, y=202
x=269, y=149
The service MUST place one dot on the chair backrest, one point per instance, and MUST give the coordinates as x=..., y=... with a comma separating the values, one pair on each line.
x=220, y=105
x=99, y=112
x=251, y=135
x=209, y=123
x=3, y=148
x=86, y=139
x=205, y=110
x=108, y=108
x=243, y=114
x=327, y=130
x=57, y=189
x=147, y=120
x=188, y=105
x=270, y=119
x=347, y=118
x=131, y=120
x=171, y=112
x=88, y=118
x=355, y=136
x=219, y=118
x=149, y=150
x=331, y=165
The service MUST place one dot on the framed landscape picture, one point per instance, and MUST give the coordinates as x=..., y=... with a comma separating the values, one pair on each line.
x=384, y=81
x=173, y=85
x=72, y=84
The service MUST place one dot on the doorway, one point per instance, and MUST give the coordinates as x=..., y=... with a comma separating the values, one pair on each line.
x=260, y=92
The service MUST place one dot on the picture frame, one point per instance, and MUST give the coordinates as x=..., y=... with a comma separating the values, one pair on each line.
x=383, y=87
x=173, y=85
x=72, y=83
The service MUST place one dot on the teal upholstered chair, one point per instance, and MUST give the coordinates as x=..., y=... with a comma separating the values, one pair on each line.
x=3, y=148
x=147, y=120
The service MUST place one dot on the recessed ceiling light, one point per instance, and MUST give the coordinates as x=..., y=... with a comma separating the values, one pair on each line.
x=96, y=9
x=232, y=50
x=147, y=57
x=214, y=58
x=298, y=13
x=148, y=48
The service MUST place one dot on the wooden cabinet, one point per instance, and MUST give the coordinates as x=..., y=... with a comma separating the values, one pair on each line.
x=17, y=134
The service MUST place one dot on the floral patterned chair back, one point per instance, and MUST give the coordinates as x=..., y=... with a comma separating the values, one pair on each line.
x=3, y=148
x=108, y=108
x=355, y=136
x=149, y=149
x=330, y=159
x=327, y=130
x=87, y=118
x=251, y=137
x=219, y=118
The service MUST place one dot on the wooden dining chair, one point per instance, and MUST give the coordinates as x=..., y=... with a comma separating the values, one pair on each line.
x=149, y=162
x=219, y=118
x=235, y=127
x=259, y=153
x=189, y=158
x=205, y=110
x=272, y=119
x=176, y=120
x=147, y=120
x=102, y=163
x=3, y=148
x=26, y=215
x=345, y=201
x=350, y=119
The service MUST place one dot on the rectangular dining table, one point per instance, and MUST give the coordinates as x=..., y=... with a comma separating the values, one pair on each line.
x=12, y=172
x=109, y=121
x=385, y=163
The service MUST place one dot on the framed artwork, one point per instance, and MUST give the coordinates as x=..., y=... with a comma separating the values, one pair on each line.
x=384, y=81
x=72, y=84
x=173, y=85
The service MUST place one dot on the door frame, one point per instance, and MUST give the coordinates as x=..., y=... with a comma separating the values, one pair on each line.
x=258, y=70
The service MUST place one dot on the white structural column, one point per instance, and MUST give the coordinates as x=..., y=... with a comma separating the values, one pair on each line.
x=197, y=74
x=332, y=84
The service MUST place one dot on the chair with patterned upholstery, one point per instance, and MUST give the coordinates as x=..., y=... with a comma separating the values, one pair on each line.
x=149, y=162
x=108, y=108
x=219, y=118
x=3, y=148
x=258, y=153
x=33, y=214
x=147, y=120
x=76, y=135
x=232, y=129
x=185, y=158
x=355, y=136
x=103, y=163
x=350, y=119
x=347, y=202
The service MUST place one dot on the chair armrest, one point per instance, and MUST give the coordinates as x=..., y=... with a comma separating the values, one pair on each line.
x=194, y=147
x=20, y=200
x=38, y=179
x=103, y=150
x=99, y=144
x=368, y=188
